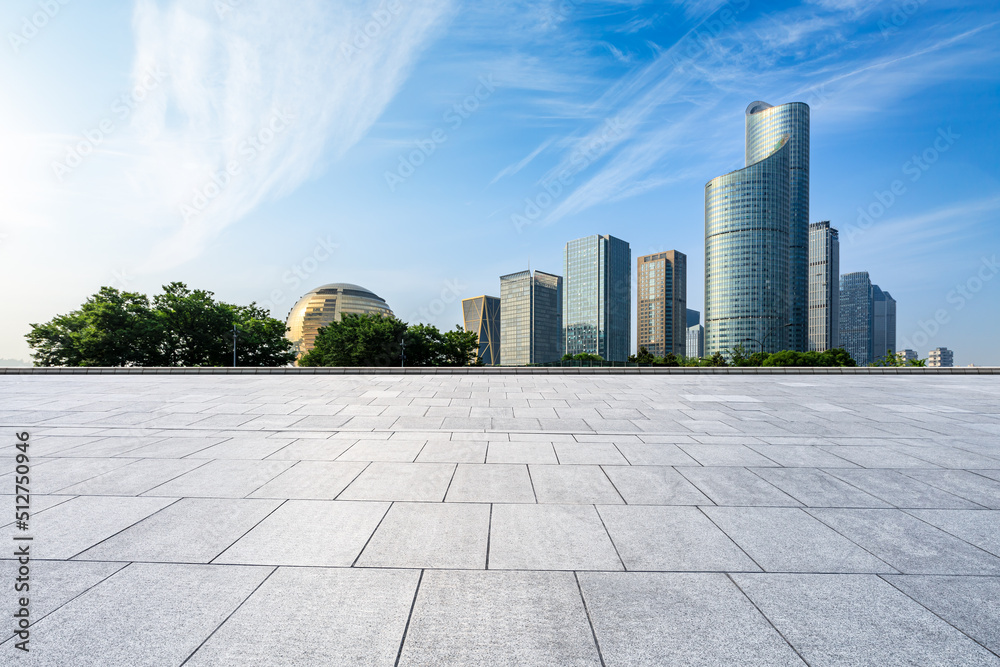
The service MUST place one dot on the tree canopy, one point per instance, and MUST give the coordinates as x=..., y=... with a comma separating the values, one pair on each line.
x=378, y=340
x=180, y=327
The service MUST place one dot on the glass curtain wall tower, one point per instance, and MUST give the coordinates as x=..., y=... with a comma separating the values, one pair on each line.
x=530, y=318
x=857, y=316
x=597, y=313
x=884, y=324
x=662, y=314
x=746, y=255
x=482, y=315
x=766, y=125
x=824, y=288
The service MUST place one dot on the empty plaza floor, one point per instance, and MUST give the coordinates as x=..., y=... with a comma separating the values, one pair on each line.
x=504, y=519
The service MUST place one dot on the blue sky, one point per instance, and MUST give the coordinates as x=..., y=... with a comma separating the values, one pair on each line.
x=422, y=148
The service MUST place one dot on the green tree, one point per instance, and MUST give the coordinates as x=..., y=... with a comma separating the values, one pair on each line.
x=717, y=360
x=460, y=348
x=670, y=359
x=359, y=340
x=644, y=357
x=180, y=327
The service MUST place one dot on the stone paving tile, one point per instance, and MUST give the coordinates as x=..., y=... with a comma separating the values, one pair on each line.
x=589, y=453
x=312, y=480
x=227, y=478
x=857, y=620
x=499, y=618
x=907, y=543
x=971, y=604
x=306, y=616
x=671, y=539
x=243, y=447
x=978, y=527
x=726, y=455
x=783, y=539
x=378, y=450
x=656, y=454
x=572, y=484
x=312, y=449
x=111, y=446
x=53, y=475
x=801, y=456
x=815, y=488
x=192, y=530
x=492, y=483
x=878, y=457
x=951, y=457
x=134, y=478
x=654, y=485
x=150, y=614
x=976, y=488
x=897, y=489
x=173, y=448
x=679, y=619
x=521, y=452
x=401, y=481
x=736, y=486
x=550, y=537
x=430, y=535
x=447, y=451
x=308, y=532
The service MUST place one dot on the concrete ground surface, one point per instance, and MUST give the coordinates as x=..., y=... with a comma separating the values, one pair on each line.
x=505, y=520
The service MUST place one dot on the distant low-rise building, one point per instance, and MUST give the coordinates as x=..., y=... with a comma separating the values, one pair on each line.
x=941, y=357
x=906, y=356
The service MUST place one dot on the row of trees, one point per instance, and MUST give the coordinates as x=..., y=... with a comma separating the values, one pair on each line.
x=739, y=356
x=377, y=340
x=180, y=327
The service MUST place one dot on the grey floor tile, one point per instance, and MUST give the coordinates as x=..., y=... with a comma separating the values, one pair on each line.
x=971, y=604
x=952, y=457
x=401, y=481
x=907, y=543
x=312, y=480
x=53, y=475
x=815, y=488
x=521, y=452
x=642, y=454
x=174, y=447
x=150, y=614
x=736, y=486
x=312, y=449
x=726, y=455
x=968, y=485
x=430, y=535
x=978, y=527
x=448, y=451
x=383, y=450
x=592, y=453
x=877, y=457
x=857, y=620
x=801, y=456
x=230, y=478
x=897, y=489
x=243, y=447
x=491, y=483
x=671, y=539
x=134, y=478
x=192, y=530
x=550, y=537
x=518, y=618
x=679, y=619
x=308, y=532
x=78, y=524
x=304, y=616
x=781, y=539
x=572, y=484
x=654, y=485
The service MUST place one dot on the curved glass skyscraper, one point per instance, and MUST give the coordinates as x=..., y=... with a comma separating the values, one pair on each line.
x=766, y=125
x=747, y=217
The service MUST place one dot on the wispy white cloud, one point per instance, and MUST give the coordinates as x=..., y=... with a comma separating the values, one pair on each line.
x=512, y=169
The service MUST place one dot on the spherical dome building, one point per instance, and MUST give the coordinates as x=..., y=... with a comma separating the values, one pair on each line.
x=326, y=304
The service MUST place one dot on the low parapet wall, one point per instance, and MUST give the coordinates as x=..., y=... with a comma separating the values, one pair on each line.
x=512, y=370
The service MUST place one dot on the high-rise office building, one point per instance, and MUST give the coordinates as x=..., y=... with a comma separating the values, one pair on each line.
x=824, y=287
x=661, y=314
x=941, y=357
x=747, y=291
x=531, y=329
x=597, y=307
x=695, y=342
x=766, y=125
x=883, y=323
x=857, y=316
x=693, y=317
x=482, y=315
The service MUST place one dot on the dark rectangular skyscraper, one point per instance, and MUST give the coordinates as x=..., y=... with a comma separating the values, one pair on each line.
x=884, y=323
x=661, y=314
x=857, y=316
x=597, y=308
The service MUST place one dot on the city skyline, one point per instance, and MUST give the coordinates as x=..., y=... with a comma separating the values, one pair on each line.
x=478, y=111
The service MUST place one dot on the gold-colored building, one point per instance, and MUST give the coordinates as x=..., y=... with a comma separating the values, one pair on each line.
x=326, y=304
x=482, y=315
x=661, y=318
